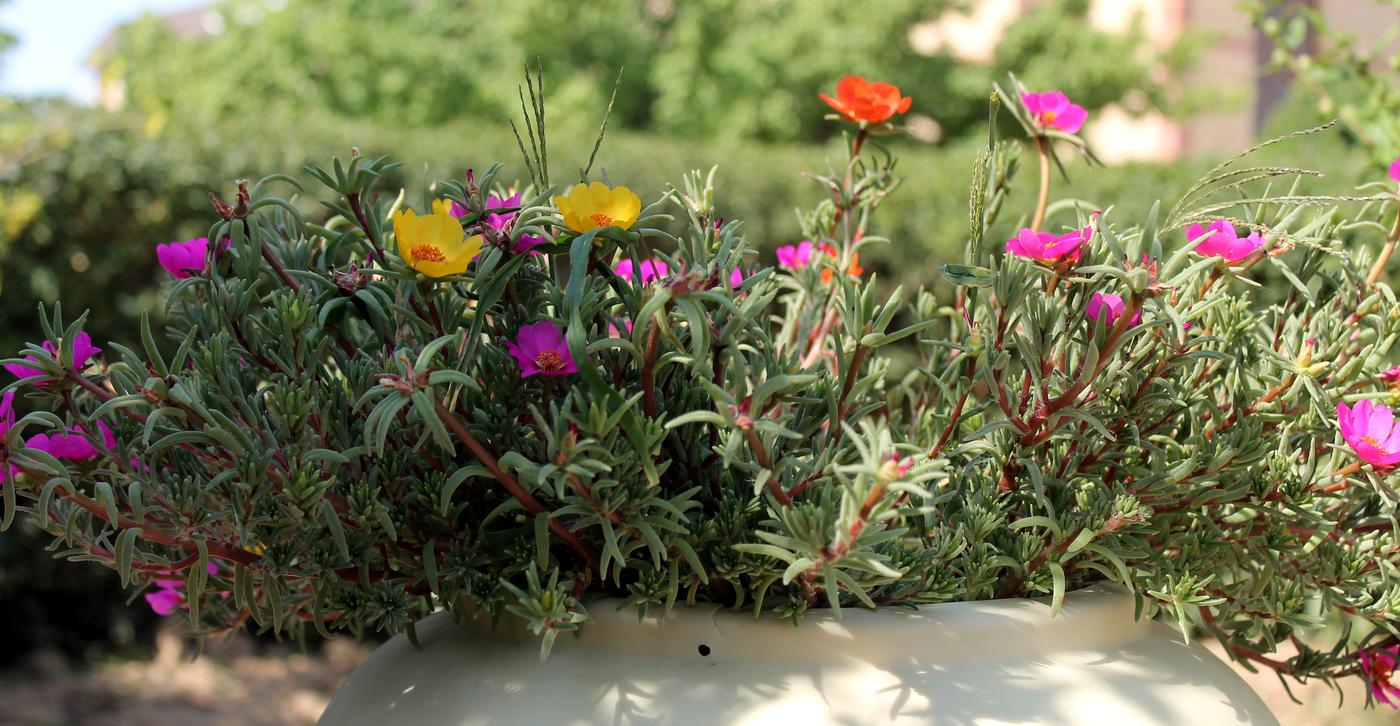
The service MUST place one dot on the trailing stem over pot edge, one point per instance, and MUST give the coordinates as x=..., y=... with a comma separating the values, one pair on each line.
x=516, y=401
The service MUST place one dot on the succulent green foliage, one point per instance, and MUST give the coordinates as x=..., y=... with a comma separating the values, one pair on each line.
x=352, y=444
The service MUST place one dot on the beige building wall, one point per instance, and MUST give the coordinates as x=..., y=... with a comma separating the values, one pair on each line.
x=1229, y=68
x=1233, y=67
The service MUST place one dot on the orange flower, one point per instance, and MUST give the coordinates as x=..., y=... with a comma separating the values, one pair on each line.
x=854, y=270
x=865, y=102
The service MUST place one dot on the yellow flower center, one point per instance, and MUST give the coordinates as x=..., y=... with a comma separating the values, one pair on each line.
x=428, y=253
x=549, y=360
x=1376, y=444
x=600, y=219
x=1049, y=116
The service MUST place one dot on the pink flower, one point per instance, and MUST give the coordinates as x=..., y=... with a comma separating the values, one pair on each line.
x=613, y=332
x=1225, y=242
x=501, y=222
x=902, y=463
x=736, y=277
x=1109, y=306
x=527, y=244
x=651, y=270
x=795, y=256
x=169, y=593
x=7, y=420
x=1371, y=432
x=72, y=444
x=1044, y=245
x=540, y=348
x=1053, y=110
x=1391, y=374
x=1395, y=169
x=82, y=349
x=184, y=259
x=1380, y=671
x=7, y=413
x=164, y=600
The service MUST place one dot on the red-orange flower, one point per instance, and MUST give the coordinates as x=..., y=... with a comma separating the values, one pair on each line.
x=862, y=101
x=854, y=270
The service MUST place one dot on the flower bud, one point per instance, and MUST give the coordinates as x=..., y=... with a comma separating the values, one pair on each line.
x=1138, y=278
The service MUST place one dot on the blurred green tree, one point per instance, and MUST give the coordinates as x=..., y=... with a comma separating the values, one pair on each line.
x=1335, y=73
x=701, y=69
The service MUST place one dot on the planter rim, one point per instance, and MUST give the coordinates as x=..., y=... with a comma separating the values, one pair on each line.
x=1093, y=618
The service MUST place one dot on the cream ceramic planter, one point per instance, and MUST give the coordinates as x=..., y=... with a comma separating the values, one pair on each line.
x=996, y=662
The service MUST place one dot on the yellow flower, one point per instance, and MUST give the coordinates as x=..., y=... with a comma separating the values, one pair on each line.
x=433, y=244
x=594, y=206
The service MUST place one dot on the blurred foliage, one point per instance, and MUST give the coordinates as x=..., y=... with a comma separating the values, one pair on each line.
x=712, y=69
x=1337, y=74
x=7, y=38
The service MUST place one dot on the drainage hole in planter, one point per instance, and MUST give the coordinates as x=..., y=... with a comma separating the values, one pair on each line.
x=704, y=649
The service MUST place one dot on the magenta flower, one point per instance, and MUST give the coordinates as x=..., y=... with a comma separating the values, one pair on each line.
x=1053, y=110
x=501, y=222
x=651, y=270
x=1395, y=169
x=1371, y=432
x=613, y=332
x=1380, y=669
x=1085, y=234
x=540, y=348
x=795, y=256
x=184, y=259
x=1109, y=306
x=902, y=463
x=1044, y=245
x=527, y=244
x=169, y=593
x=72, y=444
x=1391, y=374
x=1225, y=242
x=7, y=421
x=736, y=277
x=83, y=351
x=164, y=600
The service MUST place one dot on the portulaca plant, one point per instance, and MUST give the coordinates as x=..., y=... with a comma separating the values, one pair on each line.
x=516, y=401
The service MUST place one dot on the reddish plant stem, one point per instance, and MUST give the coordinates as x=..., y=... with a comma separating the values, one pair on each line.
x=358, y=210
x=513, y=487
x=1245, y=653
x=337, y=500
x=760, y=452
x=953, y=418
x=1378, y=268
x=278, y=268
x=845, y=201
x=818, y=337
x=147, y=532
x=649, y=369
x=1042, y=200
x=852, y=371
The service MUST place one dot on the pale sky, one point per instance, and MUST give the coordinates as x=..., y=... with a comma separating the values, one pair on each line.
x=55, y=37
